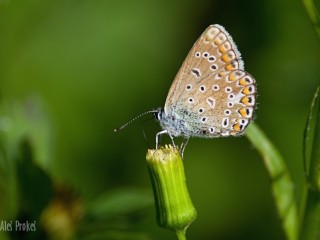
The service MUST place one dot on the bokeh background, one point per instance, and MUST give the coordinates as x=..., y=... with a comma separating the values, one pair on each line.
x=71, y=71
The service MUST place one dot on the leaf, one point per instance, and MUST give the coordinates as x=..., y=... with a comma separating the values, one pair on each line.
x=309, y=132
x=310, y=209
x=282, y=185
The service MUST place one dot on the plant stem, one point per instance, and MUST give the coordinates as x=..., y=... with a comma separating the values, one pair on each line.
x=314, y=15
x=181, y=234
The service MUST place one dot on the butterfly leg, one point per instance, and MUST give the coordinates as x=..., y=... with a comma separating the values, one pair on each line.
x=172, y=140
x=183, y=146
x=158, y=137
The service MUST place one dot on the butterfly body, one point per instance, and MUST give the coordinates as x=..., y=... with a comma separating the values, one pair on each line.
x=179, y=123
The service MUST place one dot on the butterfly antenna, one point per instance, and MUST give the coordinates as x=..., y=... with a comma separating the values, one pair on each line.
x=142, y=114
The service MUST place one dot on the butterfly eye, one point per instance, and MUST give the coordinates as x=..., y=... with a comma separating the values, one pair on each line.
x=158, y=115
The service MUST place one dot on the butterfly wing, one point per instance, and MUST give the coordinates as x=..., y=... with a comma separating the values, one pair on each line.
x=212, y=92
x=221, y=106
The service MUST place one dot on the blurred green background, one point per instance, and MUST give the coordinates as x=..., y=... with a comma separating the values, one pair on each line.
x=77, y=69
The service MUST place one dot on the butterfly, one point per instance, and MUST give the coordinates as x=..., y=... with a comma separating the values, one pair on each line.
x=212, y=95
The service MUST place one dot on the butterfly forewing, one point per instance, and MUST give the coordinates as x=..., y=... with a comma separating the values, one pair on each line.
x=213, y=52
x=212, y=92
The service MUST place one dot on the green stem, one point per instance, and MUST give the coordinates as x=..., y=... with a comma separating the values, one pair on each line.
x=282, y=185
x=313, y=15
x=181, y=234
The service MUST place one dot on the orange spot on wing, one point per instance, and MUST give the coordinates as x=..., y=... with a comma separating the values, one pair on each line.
x=222, y=49
x=236, y=127
x=243, y=112
x=229, y=67
x=232, y=77
x=226, y=58
x=243, y=82
x=246, y=90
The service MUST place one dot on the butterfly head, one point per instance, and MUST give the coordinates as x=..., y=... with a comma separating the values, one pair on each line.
x=159, y=114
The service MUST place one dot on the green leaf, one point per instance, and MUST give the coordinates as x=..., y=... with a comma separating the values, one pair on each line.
x=312, y=8
x=282, y=185
x=312, y=143
x=309, y=132
x=311, y=196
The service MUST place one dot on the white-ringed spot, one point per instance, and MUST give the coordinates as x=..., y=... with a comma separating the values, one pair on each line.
x=215, y=87
x=205, y=54
x=202, y=88
x=211, y=59
x=188, y=87
x=225, y=122
x=211, y=129
x=244, y=121
x=228, y=89
x=231, y=96
x=214, y=67
x=191, y=100
x=227, y=112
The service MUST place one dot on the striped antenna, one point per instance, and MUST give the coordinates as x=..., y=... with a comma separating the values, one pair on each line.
x=142, y=114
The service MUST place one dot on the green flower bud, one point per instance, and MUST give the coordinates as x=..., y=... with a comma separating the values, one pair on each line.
x=174, y=208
